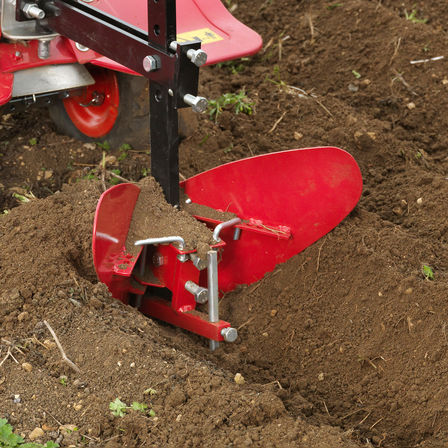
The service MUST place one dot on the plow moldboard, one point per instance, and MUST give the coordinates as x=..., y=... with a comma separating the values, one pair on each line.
x=310, y=191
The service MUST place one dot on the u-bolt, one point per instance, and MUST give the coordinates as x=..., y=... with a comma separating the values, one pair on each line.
x=224, y=225
x=163, y=240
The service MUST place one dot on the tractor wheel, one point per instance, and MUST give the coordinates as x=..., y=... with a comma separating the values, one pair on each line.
x=114, y=109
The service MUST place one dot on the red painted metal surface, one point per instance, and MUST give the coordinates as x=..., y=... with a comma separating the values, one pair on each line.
x=113, y=265
x=191, y=321
x=95, y=120
x=309, y=191
x=224, y=37
x=16, y=56
x=6, y=81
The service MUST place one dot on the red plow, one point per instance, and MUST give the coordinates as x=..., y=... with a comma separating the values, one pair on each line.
x=281, y=202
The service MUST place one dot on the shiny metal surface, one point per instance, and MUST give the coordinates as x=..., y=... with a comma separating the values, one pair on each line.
x=12, y=29
x=50, y=78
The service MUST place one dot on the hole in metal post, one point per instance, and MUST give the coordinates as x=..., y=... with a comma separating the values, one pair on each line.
x=156, y=30
x=158, y=96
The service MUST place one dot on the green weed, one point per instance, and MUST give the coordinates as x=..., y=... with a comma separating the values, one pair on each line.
x=412, y=17
x=235, y=66
x=428, y=272
x=239, y=102
x=32, y=141
x=119, y=408
x=124, y=148
x=105, y=146
x=334, y=6
x=356, y=74
x=115, y=180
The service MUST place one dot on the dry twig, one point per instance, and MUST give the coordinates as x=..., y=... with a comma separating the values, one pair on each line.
x=277, y=123
x=64, y=356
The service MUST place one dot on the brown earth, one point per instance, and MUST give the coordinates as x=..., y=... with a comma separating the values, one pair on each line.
x=344, y=345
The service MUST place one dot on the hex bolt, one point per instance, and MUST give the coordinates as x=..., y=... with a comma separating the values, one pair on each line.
x=198, y=103
x=151, y=63
x=157, y=260
x=198, y=262
x=198, y=57
x=229, y=334
x=32, y=11
x=200, y=293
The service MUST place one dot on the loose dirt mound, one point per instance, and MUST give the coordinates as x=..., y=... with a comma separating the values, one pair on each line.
x=343, y=345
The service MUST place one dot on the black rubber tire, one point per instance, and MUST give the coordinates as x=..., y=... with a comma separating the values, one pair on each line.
x=132, y=123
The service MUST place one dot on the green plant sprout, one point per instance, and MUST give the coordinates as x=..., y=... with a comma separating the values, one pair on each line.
x=32, y=141
x=334, y=6
x=356, y=74
x=115, y=180
x=24, y=198
x=428, y=272
x=10, y=440
x=119, y=408
x=105, y=146
x=124, y=148
x=238, y=101
x=150, y=391
x=236, y=66
x=412, y=17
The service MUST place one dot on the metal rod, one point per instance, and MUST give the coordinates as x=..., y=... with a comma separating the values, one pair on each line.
x=141, y=272
x=224, y=225
x=163, y=240
x=212, y=276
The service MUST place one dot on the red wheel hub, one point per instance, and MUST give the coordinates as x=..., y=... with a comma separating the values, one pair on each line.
x=94, y=109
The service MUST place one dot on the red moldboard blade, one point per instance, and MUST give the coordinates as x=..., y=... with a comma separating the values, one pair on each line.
x=308, y=190
x=110, y=229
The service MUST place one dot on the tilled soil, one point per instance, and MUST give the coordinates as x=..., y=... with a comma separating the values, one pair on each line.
x=343, y=345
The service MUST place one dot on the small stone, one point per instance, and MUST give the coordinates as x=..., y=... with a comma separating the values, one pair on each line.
x=77, y=407
x=89, y=145
x=444, y=81
x=265, y=335
x=353, y=88
x=410, y=105
x=409, y=291
x=321, y=376
x=365, y=82
x=380, y=294
x=239, y=379
x=110, y=159
x=132, y=364
x=178, y=418
x=420, y=201
x=36, y=433
x=16, y=398
x=274, y=313
x=48, y=174
x=298, y=135
x=23, y=316
x=27, y=367
x=46, y=427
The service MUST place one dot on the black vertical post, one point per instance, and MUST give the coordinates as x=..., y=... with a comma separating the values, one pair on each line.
x=163, y=112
